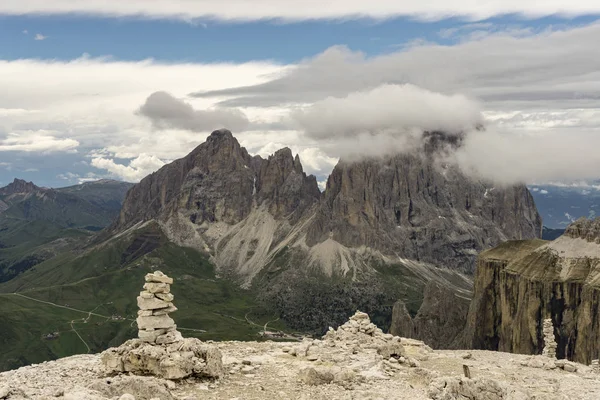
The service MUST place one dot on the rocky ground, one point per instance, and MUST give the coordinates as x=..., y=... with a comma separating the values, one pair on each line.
x=357, y=361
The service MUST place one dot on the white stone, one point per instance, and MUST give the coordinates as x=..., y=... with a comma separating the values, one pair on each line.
x=155, y=322
x=165, y=296
x=151, y=304
x=158, y=277
x=154, y=287
x=169, y=337
x=171, y=308
x=150, y=335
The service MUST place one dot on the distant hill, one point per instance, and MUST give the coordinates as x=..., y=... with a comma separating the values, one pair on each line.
x=37, y=223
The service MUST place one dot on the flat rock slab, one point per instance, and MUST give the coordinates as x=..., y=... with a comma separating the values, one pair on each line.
x=155, y=322
x=152, y=304
x=158, y=277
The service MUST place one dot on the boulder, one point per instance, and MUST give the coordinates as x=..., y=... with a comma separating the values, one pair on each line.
x=188, y=357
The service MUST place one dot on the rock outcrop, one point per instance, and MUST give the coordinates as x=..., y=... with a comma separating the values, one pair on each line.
x=161, y=350
x=440, y=321
x=520, y=284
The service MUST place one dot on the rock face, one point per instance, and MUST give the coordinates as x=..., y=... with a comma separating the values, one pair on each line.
x=265, y=224
x=440, y=321
x=161, y=350
x=520, y=284
x=428, y=212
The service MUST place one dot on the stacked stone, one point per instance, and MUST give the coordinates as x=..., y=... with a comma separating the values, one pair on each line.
x=596, y=365
x=155, y=304
x=549, y=341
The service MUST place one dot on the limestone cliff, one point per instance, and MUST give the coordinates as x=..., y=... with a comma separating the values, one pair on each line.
x=520, y=283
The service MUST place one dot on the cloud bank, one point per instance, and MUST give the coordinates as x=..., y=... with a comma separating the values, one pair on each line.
x=392, y=109
x=243, y=10
x=536, y=94
x=550, y=69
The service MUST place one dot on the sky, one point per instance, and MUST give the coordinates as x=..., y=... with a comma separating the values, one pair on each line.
x=113, y=89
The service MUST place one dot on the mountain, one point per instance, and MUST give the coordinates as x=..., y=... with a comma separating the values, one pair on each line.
x=38, y=223
x=560, y=205
x=254, y=240
x=91, y=205
x=520, y=283
x=381, y=222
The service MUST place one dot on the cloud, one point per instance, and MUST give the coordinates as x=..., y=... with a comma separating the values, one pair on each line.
x=38, y=141
x=25, y=32
x=550, y=69
x=541, y=156
x=137, y=169
x=243, y=10
x=73, y=177
x=40, y=37
x=167, y=112
x=395, y=109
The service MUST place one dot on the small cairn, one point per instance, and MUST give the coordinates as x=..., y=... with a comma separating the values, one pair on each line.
x=162, y=351
x=549, y=341
x=155, y=304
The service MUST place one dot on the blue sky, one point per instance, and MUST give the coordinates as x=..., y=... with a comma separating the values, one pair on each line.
x=69, y=37
x=71, y=99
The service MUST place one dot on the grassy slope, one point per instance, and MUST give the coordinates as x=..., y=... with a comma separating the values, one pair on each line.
x=107, y=281
x=25, y=243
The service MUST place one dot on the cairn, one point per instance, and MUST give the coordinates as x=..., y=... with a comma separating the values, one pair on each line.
x=161, y=350
x=549, y=341
x=155, y=304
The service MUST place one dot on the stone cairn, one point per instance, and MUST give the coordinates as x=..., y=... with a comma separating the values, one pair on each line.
x=549, y=341
x=161, y=350
x=155, y=304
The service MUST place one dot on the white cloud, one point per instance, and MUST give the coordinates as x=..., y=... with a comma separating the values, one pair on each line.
x=137, y=169
x=289, y=10
x=94, y=101
x=539, y=156
x=396, y=109
x=40, y=37
x=77, y=178
x=25, y=32
x=37, y=141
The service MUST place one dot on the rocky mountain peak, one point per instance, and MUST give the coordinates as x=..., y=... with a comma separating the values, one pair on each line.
x=220, y=182
x=583, y=228
x=19, y=186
